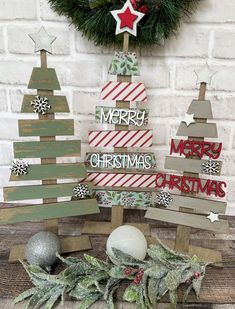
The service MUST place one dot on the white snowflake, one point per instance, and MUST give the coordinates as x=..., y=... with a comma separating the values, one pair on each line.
x=211, y=167
x=19, y=167
x=81, y=191
x=164, y=198
x=40, y=105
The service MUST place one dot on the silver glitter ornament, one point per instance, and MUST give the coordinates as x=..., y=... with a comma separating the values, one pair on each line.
x=41, y=249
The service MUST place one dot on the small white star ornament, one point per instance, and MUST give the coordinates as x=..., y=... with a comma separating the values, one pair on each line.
x=213, y=217
x=127, y=19
x=188, y=119
x=42, y=40
x=204, y=75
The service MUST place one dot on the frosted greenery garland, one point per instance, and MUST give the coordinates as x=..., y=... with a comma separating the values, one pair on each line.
x=93, y=279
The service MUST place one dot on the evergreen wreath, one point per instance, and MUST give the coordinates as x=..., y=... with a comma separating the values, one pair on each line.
x=94, y=20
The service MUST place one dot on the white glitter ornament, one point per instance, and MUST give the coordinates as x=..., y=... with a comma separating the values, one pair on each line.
x=211, y=167
x=81, y=191
x=19, y=167
x=129, y=240
x=164, y=198
x=40, y=105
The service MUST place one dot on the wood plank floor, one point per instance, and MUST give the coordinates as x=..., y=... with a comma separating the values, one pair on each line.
x=218, y=291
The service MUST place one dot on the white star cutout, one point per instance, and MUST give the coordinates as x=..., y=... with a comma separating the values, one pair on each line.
x=42, y=40
x=213, y=217
x=188, y=119
x=204, y=75
x=115, y=14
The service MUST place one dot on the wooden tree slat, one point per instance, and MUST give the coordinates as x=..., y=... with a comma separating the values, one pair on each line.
x=186, y=219
x=121, y=138
x=187, y=165
x=48, y=211
x=198, y=130
x=198, y=204
x=44, y=79
x=58, y=104
x=187, y=151
x=38, y=191
x=48, y=149
x=67, y=245
x=105, y=110
x=201, y=109
x=151, y=156
x=52, y=171
x=46, y=127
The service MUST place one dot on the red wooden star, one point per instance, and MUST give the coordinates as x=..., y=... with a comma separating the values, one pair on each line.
x=127, y=18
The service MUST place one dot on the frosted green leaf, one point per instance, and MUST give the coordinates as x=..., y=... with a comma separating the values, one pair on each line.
x=173, y=279
x=156, y=271
x=96, y=262
x=131, y=294
x=197, y=283
x=173, y=298
x=24, y=295
x=52, y=300
x=186, y=294
x=126, y=259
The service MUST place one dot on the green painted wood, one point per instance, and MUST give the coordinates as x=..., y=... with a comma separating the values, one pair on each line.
x=48, y=211
x=59, y=104
x=38, y=191
x=46, y=127
x=47, y=149
x=44, y=79
x=198, y=130
x=52, y=171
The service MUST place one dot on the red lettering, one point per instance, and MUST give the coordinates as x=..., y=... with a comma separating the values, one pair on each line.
x=177, y=149
x=174, y=182
x=161, y=177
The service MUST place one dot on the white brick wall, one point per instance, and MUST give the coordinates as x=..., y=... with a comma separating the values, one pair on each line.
x=167, y=71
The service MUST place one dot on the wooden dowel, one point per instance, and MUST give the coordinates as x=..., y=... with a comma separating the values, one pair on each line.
x=126, y=42
x=43, y=56
x=52, y=224
x=202, y=92
x=183, y=232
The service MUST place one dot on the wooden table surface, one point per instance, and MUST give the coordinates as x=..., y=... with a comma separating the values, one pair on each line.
x=218, y=290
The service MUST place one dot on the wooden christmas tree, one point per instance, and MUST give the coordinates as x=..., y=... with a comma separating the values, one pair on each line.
x=47, y=148
x=121, y=178
x=188, y=209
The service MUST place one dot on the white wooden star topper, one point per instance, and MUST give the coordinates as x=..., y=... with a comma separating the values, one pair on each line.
x=127, y=19
x=188, y=119
x=42, y=40
x=204, y=75
x=213, y=217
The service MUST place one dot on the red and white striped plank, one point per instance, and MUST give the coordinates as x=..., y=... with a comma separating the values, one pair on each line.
x=121, y=180
x=123, y=91
x=135, y=138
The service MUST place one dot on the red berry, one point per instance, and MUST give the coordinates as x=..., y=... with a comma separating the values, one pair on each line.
x=143, y=9
x=196, y=274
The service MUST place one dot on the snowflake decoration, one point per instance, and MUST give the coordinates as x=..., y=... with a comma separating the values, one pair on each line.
x=164, y=198
x=19, y=167
x=81, y=191
x=211, y=167
x=40, y=105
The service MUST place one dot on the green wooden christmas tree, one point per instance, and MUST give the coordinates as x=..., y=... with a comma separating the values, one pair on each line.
x=47, y=148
